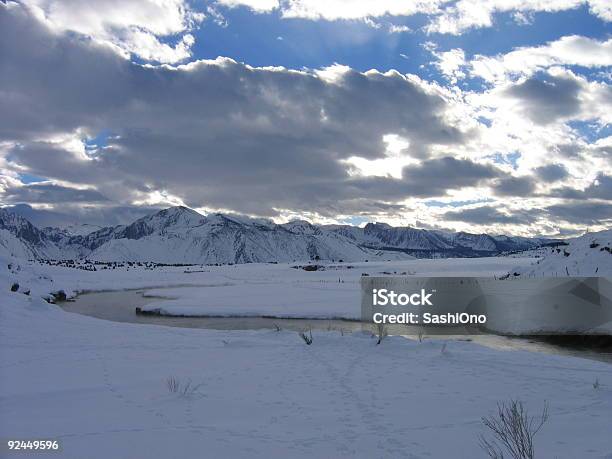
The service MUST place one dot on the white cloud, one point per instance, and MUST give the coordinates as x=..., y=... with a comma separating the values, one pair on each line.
x=602, y=9
x=569, y=50
x=259, y=6
x=450, y=63
x=445, y=16
x=468, y=14
x=393, y=28
x=332, y=10
x=334, y=73
x=396, y=158
x=135, y=27
x=523, y=17
x=356, y=9
x=148, y=47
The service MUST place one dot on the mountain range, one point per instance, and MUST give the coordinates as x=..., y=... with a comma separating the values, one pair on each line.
x=182, y=235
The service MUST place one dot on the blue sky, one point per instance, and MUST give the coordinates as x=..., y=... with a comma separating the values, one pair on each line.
x=477, y=116
x=254, y=39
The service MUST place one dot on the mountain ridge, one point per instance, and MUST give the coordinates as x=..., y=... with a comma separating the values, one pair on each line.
x=182, y=235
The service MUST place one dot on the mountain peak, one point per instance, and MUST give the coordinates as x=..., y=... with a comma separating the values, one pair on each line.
x=166, y=219
x=177, y=210
x=176, y=214
x=301, y=227
x=377, y=226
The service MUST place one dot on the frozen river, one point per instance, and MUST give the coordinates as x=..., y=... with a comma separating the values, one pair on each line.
x=120, y=306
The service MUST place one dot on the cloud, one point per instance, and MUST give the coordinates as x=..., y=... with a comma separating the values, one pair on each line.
x=207, y=133
x=430, y=178
x=443, y=16
x=602, y=9
x=355, y=9
x=447, y=173
x=586, y=213
x=545, y=101
x=50, y=193
x=223, y=135
x=600, y=188
x=100, y=215
x=138, y=27
x=258, y=6
x=543, y=104
x=394, y=28
x=552, y=172
x=451, y=63
x=572, y=50
x=514, y=186
x=456, y=18
x=487, y=215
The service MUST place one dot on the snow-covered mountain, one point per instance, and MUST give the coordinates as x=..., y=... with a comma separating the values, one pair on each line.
x=19, y=238
x=181, y=235
x=427, y=243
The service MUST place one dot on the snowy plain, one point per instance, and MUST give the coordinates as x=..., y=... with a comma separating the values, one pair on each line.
x=99, y=387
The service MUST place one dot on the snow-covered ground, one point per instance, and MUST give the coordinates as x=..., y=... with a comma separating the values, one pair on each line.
x=99, y=387
x=283, y=290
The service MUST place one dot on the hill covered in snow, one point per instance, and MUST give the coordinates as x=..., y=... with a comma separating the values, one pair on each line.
x=182, y=235
x=587, y=255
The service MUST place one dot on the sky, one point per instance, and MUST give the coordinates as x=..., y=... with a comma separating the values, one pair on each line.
x=481, y=116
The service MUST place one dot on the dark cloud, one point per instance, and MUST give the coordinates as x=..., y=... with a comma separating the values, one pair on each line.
x=447, y=173
x=49, y=193
x=216, y=134
x=545, y=101
x=604, y=152
x=587, y=213
x=487, y=215
x=221, y=134
x=514, y=186
x=430, y=178
x=552, y=172
x=78, y=214
x=601, y=188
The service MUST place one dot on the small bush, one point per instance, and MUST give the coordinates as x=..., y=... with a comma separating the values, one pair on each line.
x=175, y=386
x=306, y=337
x=513, y=431
x=172, y=384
